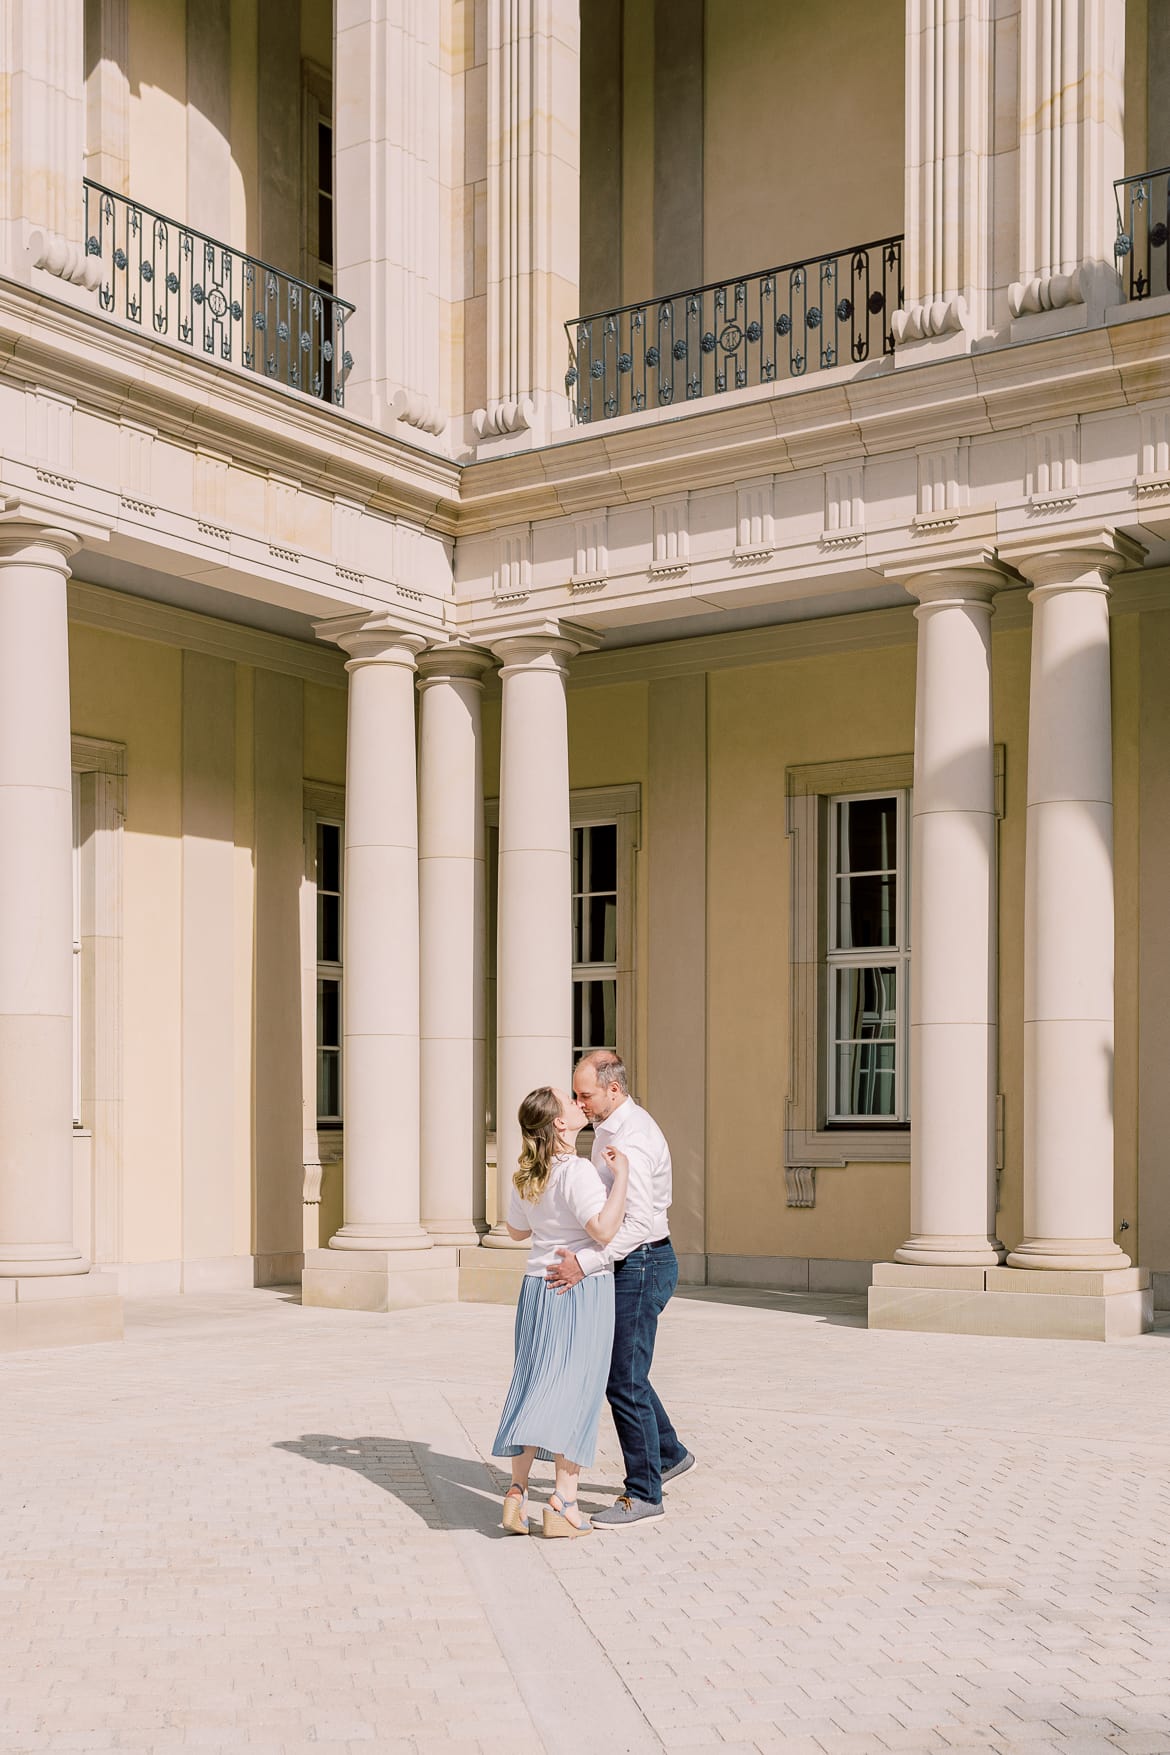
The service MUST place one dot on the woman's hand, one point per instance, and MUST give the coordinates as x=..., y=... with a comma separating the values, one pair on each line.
x=617, y=1161
x=604, y=1228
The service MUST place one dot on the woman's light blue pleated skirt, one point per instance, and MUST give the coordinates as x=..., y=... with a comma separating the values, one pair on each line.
x=563, y=1346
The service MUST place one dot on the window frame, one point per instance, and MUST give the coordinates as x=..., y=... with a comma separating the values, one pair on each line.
x=323, y=804
x=810, y=1139
x=897, y=955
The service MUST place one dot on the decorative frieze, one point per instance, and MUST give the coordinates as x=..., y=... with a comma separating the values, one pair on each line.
x=211, y=492
x=1052, y=467
x=347, y=540
x=512, y=575
x=135, y=462
x=50, y=438
x=671, y=553
x=591, y=553
x=755, y=535
x=943, y=486
x=844, y=507
x=1153, y=473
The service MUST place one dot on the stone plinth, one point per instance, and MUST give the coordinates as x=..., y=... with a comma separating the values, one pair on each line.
x=59, y=1310
x=379, y=1279
x=1074, y=1305
x=491, y=1276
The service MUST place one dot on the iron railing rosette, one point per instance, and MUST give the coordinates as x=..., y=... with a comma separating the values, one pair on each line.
x=1143, y=230
x=762, y=328
x=177, y=284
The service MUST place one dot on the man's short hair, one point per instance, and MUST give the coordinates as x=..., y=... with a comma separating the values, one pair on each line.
x=608, y=1068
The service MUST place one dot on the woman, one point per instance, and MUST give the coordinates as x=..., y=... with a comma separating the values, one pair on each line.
x=563, y=1340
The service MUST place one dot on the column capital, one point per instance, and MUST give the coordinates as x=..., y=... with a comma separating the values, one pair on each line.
x=1083, y=559
x=453, y=663
x=542, y=644
x=373, y=639
x=27, y=523
x=971, y=574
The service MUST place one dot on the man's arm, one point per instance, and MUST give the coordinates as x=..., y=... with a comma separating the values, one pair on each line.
x=635, y=1229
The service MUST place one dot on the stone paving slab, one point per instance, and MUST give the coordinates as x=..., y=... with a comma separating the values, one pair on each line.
x=257, y=1527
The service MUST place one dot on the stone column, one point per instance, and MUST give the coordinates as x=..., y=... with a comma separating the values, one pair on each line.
x=534, y=961
x=452, y=932
x=377, y=1261
x=1068, y=909
x=47, y=1292
x=388, y=97
x=1072, y=147
x=42, y=163
x=533, y=241
x=953, y=962
x=947, y=251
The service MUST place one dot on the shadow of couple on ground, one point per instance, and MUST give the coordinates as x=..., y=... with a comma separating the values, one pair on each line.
x=445, y=1492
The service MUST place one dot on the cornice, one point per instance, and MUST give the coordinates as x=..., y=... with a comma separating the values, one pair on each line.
x=129, y=376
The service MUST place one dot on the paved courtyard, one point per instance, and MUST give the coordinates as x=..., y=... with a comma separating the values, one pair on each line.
x=253, y=1526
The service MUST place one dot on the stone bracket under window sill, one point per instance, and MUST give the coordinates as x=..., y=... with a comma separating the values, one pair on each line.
x=831, y=1149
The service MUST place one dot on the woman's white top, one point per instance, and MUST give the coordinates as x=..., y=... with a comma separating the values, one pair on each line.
x=573, y=1194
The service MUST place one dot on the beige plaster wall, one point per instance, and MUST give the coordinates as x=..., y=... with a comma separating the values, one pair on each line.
x=131, y=692
x=1153, y=979
x=174, y=156
x=804, y=145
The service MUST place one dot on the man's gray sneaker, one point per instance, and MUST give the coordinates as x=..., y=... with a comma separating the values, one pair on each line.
x=624, y=1512
x=678, y=1468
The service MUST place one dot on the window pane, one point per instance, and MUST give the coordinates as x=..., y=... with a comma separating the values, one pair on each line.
x=578, y=861
x=325, y=156
x=603, y=857
x=867, y=912
x=602, y=940
x=328, y=856
x=328, y=929
x=325, y=227
x=867, y=834
x=579, y=953
x=867, y=1007
x=328, y=1014
x=865, y=1079
x=328, y=1084
x=594, y=1015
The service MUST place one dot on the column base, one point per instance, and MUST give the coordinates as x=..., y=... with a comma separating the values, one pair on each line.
x=379, y=1279
x=492, y=1276
x=1086, y=1305
x=455, y=1233
x=68, y=1311
x=497, y=1238
x=380, y=1238
x=967, y=1252
x=1099, y=1254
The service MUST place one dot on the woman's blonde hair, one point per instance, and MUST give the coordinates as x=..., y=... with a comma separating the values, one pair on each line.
x=537, y=1115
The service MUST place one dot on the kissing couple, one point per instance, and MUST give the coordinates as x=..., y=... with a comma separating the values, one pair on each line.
x=600, y=1271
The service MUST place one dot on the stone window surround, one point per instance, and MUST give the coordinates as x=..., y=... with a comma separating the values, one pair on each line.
x=101, y=766
x=808, y=1143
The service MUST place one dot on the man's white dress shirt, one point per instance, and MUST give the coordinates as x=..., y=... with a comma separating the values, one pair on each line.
x=630, y=1130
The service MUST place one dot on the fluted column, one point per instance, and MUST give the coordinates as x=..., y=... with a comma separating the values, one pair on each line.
x=1072, y=147
x=42, y=155
x=380, y=946
x=952, y=972
x=36, y=908
x=388, y=103
x=947, y=251
x=534, y=960
x=452, y=928
x=1068, y=909
x=533, y=199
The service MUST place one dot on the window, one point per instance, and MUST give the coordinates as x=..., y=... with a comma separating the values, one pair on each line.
x=329, y=882
x=595, y=938
x=867, y=960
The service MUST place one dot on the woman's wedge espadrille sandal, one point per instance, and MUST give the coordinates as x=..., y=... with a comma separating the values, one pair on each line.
x=556, y=1523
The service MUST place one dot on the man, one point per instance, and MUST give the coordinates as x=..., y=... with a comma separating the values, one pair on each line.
x=645, y=1273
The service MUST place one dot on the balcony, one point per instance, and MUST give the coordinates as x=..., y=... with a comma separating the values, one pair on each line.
x=764, y=328
x=195, y=292
x=1143, y=228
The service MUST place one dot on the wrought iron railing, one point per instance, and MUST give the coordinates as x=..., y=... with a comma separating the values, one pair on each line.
x=733, y=334
x=213, y=299
x=1143, y=228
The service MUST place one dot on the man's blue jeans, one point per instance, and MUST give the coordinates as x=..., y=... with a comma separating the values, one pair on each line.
x=642, y=1285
